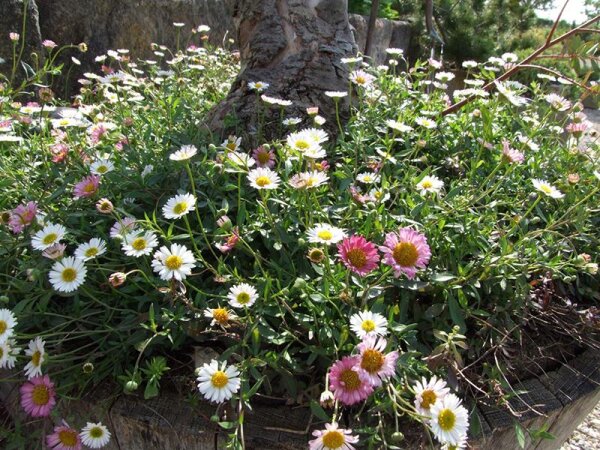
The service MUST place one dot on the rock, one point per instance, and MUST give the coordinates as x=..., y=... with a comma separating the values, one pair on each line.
x=130, y=24
x=388, y=34
x=11, y=21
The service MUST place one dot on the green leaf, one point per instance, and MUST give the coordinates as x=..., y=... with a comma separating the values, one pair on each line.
x=520, y=435
x=318, y=411
x=456, y=313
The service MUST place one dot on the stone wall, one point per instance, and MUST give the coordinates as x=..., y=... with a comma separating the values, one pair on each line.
x=135, y=24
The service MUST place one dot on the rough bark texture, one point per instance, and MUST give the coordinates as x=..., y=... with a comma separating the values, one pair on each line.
x=296, y=47
x=386, y=34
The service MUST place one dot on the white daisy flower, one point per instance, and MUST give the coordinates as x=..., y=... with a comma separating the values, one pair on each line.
x=449, y=420
x=176, y=262
x=179, y=206
x=67, y=274
x=90, y=250
x=8, y=354
x=263, y=178
x=291, y=121
x=242, y=295
x=398, y=126
x=332, y=438
x=394, y=51
x=49, y=235
x=510, y=57
x=367, y=323
x=122, y=228
x=240, y=159
x=315, y=153
x=184, y=153
x=217, y=383
x=232, y=143
x=444, y=77
x=427, y=393
x=460, y=445
x=94, y=435
x=336, y=94
x=469, y=64
x=8, y=321
x=547, y=188
x=302, y=142
x=430, y=184
x=220, y=316
x=368, y=177
x=258, y=86
x=426, y=122
x=101, y=166
x=275, y=100
x=379, y=195
x=138, y=244
x=362, y=78
x=324, y=233
x=307, y=180
x=557, y=102
x=38, y=356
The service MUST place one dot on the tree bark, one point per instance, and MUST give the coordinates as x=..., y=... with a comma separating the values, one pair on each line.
x=295, y=46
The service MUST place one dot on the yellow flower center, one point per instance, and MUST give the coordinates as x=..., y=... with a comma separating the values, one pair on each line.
x=173, y=262
x=360, y=79
x=91, y=252
x=105, y=206
x=219, y=379
x=378, y=195
x=263, y=181
x=427, y=184
x=372, y=361
x=1, y=352
x=49, y=238
x=367, y=178
x=243, y=298
x=333, y=439
x=89, y=188
x=221, y=315
x=326, y=235
x=316, y=255
x=546, y=189
x=68, y=437
x=405, y=254
x=96, y=432
x=446, y=419
x=357, y=257
x=40, y=395
x=139, y=244
x=302, y=145
x=3, y=326
x=428, y=398
x=180, y=207
x=231, y=146
x=368, y=325
x=102, y=169
x=36, y=358
x=69, y=274
x=350, y=380
x=310, y=181
x=263, y=157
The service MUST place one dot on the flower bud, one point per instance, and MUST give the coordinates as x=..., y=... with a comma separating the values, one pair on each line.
x=117, y=279
x=131, y=386
x=327, y=399
x=88, y=368
x=104, y=206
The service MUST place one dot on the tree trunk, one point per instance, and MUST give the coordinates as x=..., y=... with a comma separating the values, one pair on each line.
x=295, y=46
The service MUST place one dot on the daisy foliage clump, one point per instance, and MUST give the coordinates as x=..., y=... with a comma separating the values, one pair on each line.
x=342, y=267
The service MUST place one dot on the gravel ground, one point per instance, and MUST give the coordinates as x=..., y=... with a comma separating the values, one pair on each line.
x=587, y=435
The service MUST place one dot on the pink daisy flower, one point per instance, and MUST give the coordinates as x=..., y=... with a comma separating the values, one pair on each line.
x=374, y=361
x=87, y=187
x=264, y=157
x=510, y=154
x=37, y=396
x=22, y=216
x=358, y=254
x=576, y=129
x=349, y=383
x=230, y=241
x=332, y=438
x=64, y=438
x=406, y=251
